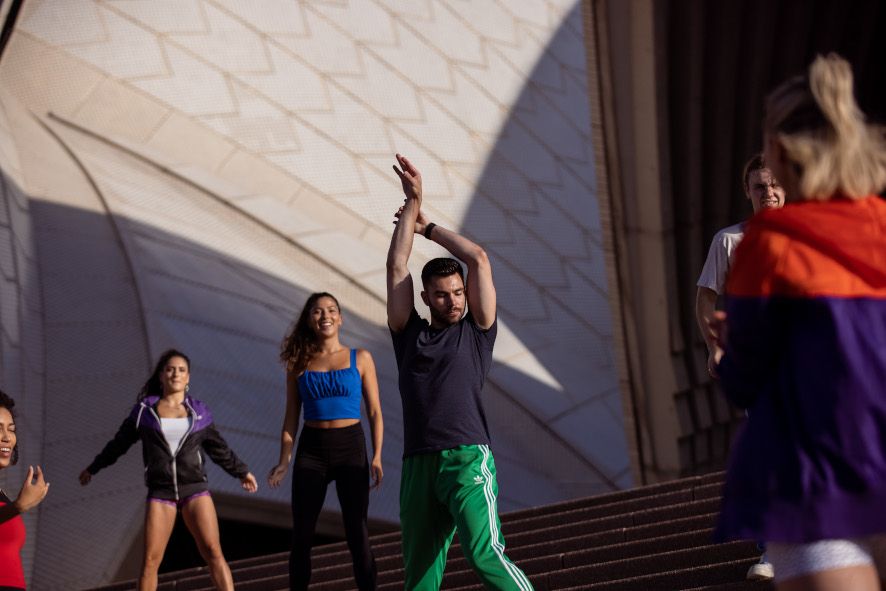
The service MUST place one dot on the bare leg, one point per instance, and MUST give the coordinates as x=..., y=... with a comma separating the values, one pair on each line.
x=850, y=578
x=202, y=521
x=159, y=521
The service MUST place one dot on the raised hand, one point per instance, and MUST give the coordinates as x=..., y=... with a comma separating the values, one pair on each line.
x=718, y=328
x=249, y=483
x=85, y=477
x=33, y=490
x=714, y=357
x=421, y=222
x=410, y=179
x=275, y=476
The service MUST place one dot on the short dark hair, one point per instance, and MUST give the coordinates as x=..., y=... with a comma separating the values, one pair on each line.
x=755, y=163
x=9, y=404
x=441, y=267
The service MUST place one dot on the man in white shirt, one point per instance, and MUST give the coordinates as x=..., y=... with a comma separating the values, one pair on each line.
x=764, y=192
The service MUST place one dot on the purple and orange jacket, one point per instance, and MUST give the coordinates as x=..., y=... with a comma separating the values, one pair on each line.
x=806, y=356
x=172, y=474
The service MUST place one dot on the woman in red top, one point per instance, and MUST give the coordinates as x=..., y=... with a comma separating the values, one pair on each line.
x=12, y=527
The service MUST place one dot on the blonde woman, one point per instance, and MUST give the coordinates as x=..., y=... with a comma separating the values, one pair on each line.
x=806, y=345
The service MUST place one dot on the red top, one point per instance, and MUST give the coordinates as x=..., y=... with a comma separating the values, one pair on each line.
x=12, y=539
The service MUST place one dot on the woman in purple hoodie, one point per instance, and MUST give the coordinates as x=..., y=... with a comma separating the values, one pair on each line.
x=176, y=431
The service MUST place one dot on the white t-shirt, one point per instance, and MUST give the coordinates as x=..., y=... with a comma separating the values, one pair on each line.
x=716, y=266
x=174, y=430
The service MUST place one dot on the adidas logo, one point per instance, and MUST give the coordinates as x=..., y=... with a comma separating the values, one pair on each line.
x=478, y=479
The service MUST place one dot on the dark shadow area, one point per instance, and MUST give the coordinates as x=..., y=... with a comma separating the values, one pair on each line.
x=228, y=316
x=8, y=21
x=536, y=213
x=103, y=281
x=113, y=292
x=719, y=62
x=239, y=540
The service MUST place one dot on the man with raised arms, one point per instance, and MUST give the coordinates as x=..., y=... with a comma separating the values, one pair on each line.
x=448, y=481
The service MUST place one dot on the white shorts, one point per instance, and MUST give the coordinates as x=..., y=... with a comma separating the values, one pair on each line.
x=796, y=560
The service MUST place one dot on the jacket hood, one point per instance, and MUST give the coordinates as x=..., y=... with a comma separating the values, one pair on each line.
x=202, y=415
x=851, y=233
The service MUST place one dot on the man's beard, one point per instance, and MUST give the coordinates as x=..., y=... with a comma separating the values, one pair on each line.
x=443, y=317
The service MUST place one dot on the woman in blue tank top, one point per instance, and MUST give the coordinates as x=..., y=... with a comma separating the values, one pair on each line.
x=327, y=381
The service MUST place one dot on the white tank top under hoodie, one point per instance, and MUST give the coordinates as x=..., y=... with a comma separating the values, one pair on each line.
x=174, y=430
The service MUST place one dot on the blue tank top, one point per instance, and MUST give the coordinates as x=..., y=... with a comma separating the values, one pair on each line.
x=333, y=394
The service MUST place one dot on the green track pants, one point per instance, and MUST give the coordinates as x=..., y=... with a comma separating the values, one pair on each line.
x=448, y=490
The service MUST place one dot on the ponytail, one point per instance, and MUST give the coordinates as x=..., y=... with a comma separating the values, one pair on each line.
x=824, y=133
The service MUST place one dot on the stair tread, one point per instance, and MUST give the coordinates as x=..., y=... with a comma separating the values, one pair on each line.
x=652, y=537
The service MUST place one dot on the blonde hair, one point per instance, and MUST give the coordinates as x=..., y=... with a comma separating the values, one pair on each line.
x=825, y=134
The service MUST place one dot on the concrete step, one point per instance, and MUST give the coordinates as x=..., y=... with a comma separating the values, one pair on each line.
x=654, y=537
x=615, y=542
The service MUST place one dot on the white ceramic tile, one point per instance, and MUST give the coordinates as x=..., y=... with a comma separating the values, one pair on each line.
x=365, y=21
x=227, y=44
x=291, y=221
x=165, y=16
x=127, y=51
x=488, y=19
x=391, y=94
x=450, y=36
x=417, y=58
x=269, y=16
x=192, y=87
x=63, y=23
x=555, y=133
x=320, y=163
x=346, y=251
x=290, y=83
x=471, y=105
x=521, y=149
x=498, y=77
x=448, y=136
x=351, y=121
x=258, y=125
x=119, y=110
x=326, y=47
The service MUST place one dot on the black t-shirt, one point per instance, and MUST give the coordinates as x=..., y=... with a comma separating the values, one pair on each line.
x=441, y=379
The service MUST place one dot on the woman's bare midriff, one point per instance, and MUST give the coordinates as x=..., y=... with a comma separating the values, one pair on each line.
x=333, y=424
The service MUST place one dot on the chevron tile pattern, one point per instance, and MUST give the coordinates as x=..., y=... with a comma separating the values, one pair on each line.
x=286, y=115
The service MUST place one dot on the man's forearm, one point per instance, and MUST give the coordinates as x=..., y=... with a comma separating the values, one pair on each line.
x=402, y=238
x=705, y=304
x=480, y=287
x=399, y=282
x=460, y=247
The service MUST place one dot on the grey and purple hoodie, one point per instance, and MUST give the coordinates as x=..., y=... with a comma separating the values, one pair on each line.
x=172, y=474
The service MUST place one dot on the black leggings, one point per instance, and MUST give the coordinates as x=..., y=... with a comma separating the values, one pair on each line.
x=325, y=455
